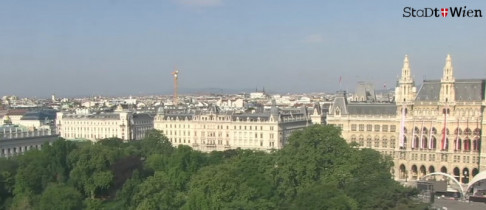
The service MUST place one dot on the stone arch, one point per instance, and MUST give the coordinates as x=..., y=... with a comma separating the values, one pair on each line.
x=443, y=169
x=423, y=171
x=467, y=131
x=457, y=173
x=475, y=172
x=461, y=190
x=414, y=172
x=431, y=169
x=466, y=174
x=402, y=172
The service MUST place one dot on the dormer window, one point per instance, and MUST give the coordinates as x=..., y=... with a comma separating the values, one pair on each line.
x=337, y=112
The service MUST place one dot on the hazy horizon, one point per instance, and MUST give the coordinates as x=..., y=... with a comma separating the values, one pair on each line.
x=71, y=48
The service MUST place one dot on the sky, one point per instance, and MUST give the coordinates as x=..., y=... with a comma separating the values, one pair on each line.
x=127, y=47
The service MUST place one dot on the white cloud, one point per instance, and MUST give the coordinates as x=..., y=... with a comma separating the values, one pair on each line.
x=314, y=38
x=200, y=3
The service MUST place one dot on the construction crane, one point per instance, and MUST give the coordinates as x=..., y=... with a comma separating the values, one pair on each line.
x=176, y=74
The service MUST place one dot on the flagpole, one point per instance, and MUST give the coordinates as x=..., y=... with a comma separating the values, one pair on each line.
x=421, y=135
x=430, y=135
x=457, y=135
x=402, y=127
x=413, y=134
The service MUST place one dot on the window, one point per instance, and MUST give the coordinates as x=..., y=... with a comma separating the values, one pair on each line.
x=361, y=127
x=353, y=127
x=369, y=127
x=361, y=141
x=392, y=142
x=384, y=142
x=384, y=128
x=377, y=128
x=368, y=141
x=393, y=128
x=377, y=141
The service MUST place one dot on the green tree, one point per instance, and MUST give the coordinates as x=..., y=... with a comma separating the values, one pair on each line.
x=91, y=168
x=8, y=169
x=315, y=154
x=242, y=182
x=60, y=196
x=157, y=192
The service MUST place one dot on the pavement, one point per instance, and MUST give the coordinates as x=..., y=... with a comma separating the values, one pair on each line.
x=449, y=204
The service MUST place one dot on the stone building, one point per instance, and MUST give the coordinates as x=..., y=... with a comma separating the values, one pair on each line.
x=215, y=130
x=435, y=128
x=122, y=124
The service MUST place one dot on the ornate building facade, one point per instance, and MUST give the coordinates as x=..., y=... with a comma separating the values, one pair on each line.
x=122, y=124
x=214, y=130
x=435, y=128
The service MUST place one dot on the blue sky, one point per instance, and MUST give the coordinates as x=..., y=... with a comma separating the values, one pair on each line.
x=128, y=47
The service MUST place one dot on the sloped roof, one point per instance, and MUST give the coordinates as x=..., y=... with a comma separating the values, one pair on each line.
x=372, y=109
x=465, y=90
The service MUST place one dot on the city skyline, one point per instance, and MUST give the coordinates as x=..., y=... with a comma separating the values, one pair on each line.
x=127, y=48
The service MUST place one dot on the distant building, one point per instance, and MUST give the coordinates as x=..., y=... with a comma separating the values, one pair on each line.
x=122, y=124
x=214, y=130
x=437, y=128
x=17, y=139
x=365, y=92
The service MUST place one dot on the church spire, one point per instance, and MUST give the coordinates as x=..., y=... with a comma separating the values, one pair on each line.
x=405, y=91
x=448, y=75
x=447, y=92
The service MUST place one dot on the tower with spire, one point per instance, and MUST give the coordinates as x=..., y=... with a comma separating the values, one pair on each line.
x=447, y=93
x=405, y=91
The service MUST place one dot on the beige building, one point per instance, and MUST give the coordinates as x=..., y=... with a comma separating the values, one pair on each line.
x=94, y=126
x=435, y=128
x=213, y=130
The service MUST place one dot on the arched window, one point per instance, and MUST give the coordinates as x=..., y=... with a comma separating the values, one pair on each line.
x=368, y=141
x=392, y=142
x=467, y=144
x=361, y=141
x=434, y=131
x=457, y=144
x=467, y=131
x=477, y=132
x=415, y=143
x=425, y=142
x=424, y=130
x=377, y=141
x=476, y=144
x=353, y=138
x=433, y=143
x=458, y=131
x=384, y=142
